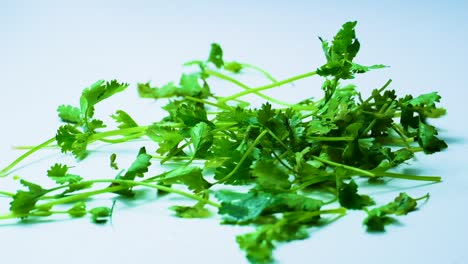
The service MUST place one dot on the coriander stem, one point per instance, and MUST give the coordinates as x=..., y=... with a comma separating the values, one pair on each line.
x=5, y=171
x=244, y=86
x=117, y=132
x=7, y=194
x=84, y=195
x=198, y=100
x=267, y=75
x=244, y=157
x=123, y=139
x=329, y=162
x=268, y=86
x=331, y=138
x=408, y=176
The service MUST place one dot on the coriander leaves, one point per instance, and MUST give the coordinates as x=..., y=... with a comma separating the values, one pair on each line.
x=282, y=168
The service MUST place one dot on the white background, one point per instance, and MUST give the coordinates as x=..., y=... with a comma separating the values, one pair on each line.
x=51, y=50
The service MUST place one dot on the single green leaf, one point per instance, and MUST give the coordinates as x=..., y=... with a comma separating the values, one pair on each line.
x=70, y=114
x=124, y=119
x=196, y=211
x=349, y=197
x=216, y=55
x=139, y=166
x=269, y=177
x=58, y=173
x=24, y=201
x=202, y=139
x=190, y=176
x=428, y=140
x=240, y=208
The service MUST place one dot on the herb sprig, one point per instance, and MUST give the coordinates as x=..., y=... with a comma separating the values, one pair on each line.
x=299, y=161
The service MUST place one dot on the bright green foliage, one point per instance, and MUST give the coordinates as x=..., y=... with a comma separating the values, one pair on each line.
x=270, y=177
x=70, y=114
x=282, y=165
x=349, y=198
x=189, y=85
x=427, y=139
x=124, y=120
x=379, y=217
x=25, y=201
x=202, y=139
x=58, y=173
x=190, y=176
x=196, y=211
x=137, y=169
x=216, y=55
x=139, y=166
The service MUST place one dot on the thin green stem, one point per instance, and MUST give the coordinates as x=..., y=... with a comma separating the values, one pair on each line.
x=126, y=184
x=267, y=74
x=198, y=100
x=117, y=132
x=5, y=171
x=244, y=157
x=7, y=194
x=123, y=139
x=268, y=86
x=335, y=164
x=246, y=87
x=331, y=138
x=407, y=176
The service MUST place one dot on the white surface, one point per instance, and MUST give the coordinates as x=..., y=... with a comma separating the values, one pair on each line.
x=50, y=50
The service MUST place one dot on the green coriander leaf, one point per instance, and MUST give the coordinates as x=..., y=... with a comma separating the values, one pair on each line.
x=137, y=169
x=146, y=91
x=403, y=204
x=139, y=166
x=356, y=68
x=70, y=139
x=97, y=92
x=196, y=211
x=167, y=138
x=270, y=177
x=124, y=119
x=378, y=218
x=24, y=201
x=349, y=198
x=190, y=176
x=216, y=55
x=290, y=202
x=258, y=249
x=376, y=221
x=427, y=139
x=70, y=114
x=202, y=139
x=58, y=173
x=428, y=99
x=113, y=163
x=240, y=208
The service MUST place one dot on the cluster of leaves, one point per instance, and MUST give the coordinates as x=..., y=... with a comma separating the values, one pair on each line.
x=283, y=155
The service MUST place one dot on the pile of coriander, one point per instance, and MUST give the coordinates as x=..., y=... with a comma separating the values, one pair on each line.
x=281, y=155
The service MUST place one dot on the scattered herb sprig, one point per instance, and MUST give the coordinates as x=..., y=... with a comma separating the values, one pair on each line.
x=283, y=154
